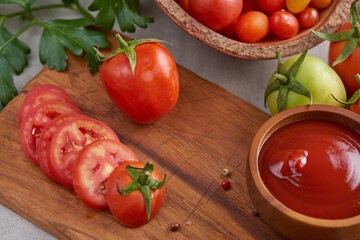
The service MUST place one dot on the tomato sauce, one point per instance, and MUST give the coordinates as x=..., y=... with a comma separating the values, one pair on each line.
x=313, y=167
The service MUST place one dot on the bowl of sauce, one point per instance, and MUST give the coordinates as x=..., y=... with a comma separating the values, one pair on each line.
x=303, y=173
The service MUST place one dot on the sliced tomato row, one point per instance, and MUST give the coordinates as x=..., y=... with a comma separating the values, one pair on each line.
x=71, y=148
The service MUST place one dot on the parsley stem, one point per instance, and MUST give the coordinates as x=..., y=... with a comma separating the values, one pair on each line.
x=23, y=29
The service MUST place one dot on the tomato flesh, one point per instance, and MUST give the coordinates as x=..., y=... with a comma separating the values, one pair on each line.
x=44, y=140
x=67, y=142
x=130, y=209
x=36, y=120
x=93, y=167
x=313, y=167
x=39, y=97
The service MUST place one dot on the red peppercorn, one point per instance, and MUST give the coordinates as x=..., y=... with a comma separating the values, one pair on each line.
x=174, y=227
x=225, y=184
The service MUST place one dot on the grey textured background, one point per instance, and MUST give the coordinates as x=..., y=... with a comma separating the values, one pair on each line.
x=244, y=78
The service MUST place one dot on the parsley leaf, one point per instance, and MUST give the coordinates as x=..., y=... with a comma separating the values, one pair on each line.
x=61, y=34
x=12, y=57
x=126, y=11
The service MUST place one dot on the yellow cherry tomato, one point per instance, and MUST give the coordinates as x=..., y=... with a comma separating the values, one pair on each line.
x=296, y=6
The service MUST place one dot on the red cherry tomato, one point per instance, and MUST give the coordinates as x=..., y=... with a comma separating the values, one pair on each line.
x=308, y=18
x=36, y=120
x=252, y=26
x=350, y=66
x=284, y=24
x=44, y=141
x=215, y=14
x=320, y=4
x=67, y=142
x=93, y=167
x=184, y=4
x=271, y=5
x=41, y=96
x=153, y=90
x=130, y=209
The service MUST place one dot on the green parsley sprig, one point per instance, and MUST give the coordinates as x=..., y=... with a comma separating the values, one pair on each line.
x=59, y=34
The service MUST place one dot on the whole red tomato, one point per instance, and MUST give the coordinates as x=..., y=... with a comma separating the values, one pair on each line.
x=271, y=5
x=252, y=26
x=308, y=18
x=284, y=24
x=215, y=14
x=144, y=92
x=129, y=205
x=348, y=68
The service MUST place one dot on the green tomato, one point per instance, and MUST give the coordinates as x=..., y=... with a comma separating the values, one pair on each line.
x=315, y=75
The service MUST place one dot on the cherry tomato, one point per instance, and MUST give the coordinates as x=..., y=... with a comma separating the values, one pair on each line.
x=93, y=167
x=350, y=66
x=67, y=142
x=252, y=26
x=130, y=209
x=184, y=4
x=44, y=141
x=250, y=5
x=308, y=18
x=151, y=92
x=296, y=6
x=215, y=14
x=284, y=24
x=36, y=120
x=320, y=4
x=271, y=5
x=41, y=96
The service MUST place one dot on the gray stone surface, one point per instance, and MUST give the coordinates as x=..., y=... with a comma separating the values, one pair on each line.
x=244, y=78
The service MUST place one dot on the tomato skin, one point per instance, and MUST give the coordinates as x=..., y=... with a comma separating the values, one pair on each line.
x=250, y=5
x=284, y=24
x=130, y=209
x=318, y=77
x=215, y=14
x=67, y=142
x=355, y=107
x=252, y=26
x=154, y=89
x=271, y=5
x=350, y=66
x=45, y=88
x=308, y=18
x=44, y=141
x=36, y=120
x=320, y=4
x=296, y=6
x=184, y=4
x=93, y=167
x=40, y=96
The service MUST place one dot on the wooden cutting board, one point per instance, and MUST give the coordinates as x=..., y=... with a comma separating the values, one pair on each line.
x=208, y=130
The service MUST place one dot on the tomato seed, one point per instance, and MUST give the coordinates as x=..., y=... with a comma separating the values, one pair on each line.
x=225, y=185
x=174, y=227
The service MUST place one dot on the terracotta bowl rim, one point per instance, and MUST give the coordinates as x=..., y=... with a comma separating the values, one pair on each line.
x=276, y=122
x=335, y=15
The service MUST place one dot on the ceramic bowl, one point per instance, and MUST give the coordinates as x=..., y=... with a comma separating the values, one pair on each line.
x=330, y=19
x=282, y=219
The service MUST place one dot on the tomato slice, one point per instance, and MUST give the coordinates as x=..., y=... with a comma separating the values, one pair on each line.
x=45, y=87
x=70, y=138
x=36, y=120
x=93, y=167
x=39, y=97
x=44, y=140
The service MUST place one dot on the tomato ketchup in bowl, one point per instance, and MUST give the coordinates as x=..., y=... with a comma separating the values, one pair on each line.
x=303, y=173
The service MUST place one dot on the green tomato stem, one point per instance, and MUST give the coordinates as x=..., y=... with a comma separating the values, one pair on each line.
x=122, y=43
x=283, y=79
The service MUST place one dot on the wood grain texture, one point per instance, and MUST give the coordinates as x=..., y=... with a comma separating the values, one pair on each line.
x=208, y=130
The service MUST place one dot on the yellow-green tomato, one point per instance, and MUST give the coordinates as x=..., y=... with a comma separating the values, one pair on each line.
x=297, y=6
x=318, y=77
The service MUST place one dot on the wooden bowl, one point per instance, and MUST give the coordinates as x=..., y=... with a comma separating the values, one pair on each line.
x=282, y=219
x=330, y=19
